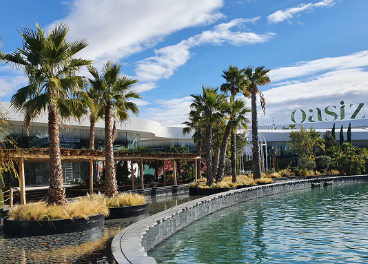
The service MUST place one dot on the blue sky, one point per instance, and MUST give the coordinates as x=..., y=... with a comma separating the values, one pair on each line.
x=317, y=50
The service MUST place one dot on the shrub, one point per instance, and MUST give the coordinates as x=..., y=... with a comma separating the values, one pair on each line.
x=285, y=163
x=323, y=162
x=307, y=164
x=285, y=173
x=248, y=165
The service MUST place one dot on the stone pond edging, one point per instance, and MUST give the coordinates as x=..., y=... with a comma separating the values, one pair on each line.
x=132, y=244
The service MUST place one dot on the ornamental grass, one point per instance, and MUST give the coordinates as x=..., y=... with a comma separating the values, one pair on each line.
x=80, y=208
x=126, y=199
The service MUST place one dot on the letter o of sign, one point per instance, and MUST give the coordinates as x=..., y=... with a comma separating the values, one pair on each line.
x=304, y=116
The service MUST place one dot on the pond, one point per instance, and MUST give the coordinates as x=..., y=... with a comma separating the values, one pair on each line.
x=319, y=225
x=91, y=246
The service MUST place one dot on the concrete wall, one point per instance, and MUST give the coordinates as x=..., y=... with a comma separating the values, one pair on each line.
x=132, y=244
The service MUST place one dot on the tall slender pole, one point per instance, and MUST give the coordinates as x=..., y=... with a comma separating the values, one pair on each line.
x=91, y=176
x=175, y=180
x=195, y=169
x=132, y=173
x=22, y=182
x=164, y=174
x=142, y=171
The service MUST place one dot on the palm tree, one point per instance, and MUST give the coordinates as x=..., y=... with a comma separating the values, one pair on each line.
x=115, y=95
x=235, y=83
x=90, y=105
x=258, y=77
x=48, y=60
x=194, y=124
x=209, y=105
x=236, y=120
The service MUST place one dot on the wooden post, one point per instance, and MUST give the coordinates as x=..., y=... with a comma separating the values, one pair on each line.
x=91, y=176
x=195, y=169
x=22, y=182
x=11, y=197
x=142, y=171
x=132, y=173
x=174, y=166
x=164, y=174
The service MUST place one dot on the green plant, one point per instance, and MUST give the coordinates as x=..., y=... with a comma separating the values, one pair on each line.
x=307, y=164
x=285, y=173
x=285, y=163
x=323, y=162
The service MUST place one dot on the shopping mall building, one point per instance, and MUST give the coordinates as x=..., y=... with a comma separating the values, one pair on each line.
x=74, y=134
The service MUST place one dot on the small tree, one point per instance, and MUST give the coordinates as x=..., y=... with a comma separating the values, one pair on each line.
x=305, y=143
x=349, y=134
x=341, y=135
x=330, y=140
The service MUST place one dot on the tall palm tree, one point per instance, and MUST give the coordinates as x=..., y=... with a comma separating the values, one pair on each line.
x=49, y=61
x=90, y=105
x=195, y=125
x=115, y=95
x=235, y=83
x=236, y=120
x=256, y=78
x=209, y=105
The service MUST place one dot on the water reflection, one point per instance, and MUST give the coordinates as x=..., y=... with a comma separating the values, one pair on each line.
x=91, y=246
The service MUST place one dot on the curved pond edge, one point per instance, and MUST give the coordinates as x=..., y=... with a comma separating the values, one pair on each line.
x=132, y=244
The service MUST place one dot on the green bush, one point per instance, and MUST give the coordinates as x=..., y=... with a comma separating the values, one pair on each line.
x=307, y=164
x=285, y=163
x=323, y=162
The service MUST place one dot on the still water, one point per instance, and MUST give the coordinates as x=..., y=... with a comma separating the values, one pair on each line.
x=91, y=246
x=321, y=225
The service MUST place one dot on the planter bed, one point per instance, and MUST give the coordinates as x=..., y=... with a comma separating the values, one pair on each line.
x=128, y=211
x=57, y=226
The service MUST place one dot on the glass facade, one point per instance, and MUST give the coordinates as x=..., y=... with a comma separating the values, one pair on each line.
x=37, y=173
x=164, y=145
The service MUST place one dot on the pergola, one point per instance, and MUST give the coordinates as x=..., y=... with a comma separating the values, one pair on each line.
x=86, y=155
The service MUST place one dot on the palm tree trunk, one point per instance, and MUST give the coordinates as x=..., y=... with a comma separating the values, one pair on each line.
x=255, y=149
x=209, y=153
x=56, y=193
x=199, y=148
x=221, y=166
x=216, y=158
x=92, y=133
x=233, y=156
x=111, y=188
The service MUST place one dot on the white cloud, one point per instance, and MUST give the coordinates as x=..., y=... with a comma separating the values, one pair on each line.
x=119, y=28
x=301, y=69
x=11, y=81
x=171, y=113
x=168, y=59
x=334, y=80
x=282, y=15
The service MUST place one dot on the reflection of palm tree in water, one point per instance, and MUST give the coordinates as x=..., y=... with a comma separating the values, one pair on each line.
x=257, y=241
